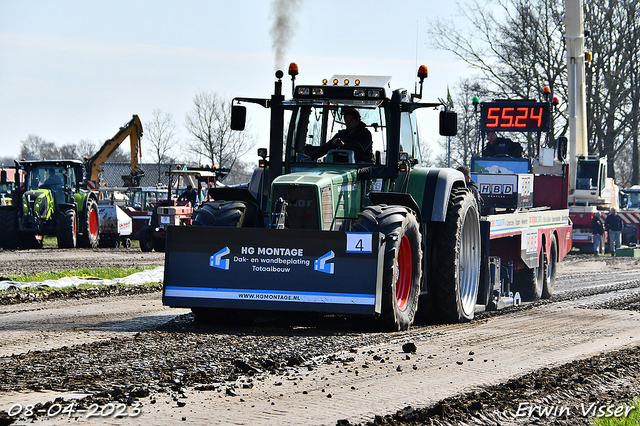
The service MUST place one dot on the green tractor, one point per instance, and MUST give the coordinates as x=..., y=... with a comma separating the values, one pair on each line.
x=52, y=200
x=348, y=232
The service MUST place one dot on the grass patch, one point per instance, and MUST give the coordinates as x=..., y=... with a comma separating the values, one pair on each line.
x=632, y=420
x=104, y=273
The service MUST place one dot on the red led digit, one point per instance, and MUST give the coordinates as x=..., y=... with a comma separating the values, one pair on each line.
x=538, y=117
x=493, y=117
x=509, y=117
x=521, y=117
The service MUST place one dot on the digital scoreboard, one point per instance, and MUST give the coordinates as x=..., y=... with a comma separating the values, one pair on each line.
x=514, y=116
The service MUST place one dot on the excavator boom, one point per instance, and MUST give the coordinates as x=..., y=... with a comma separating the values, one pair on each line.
x=133, y=130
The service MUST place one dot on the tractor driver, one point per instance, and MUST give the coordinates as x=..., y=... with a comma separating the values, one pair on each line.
x=53, y=179
x=501, y=147
x=189, y=196
x=355, y=137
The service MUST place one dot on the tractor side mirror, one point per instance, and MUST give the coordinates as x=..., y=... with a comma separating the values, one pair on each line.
x=238, y=117
x=562, y=148
x=448, y=123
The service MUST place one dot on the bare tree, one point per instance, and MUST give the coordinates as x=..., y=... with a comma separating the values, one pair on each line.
x=519, y=48
x=426, y=153
x=607, y=79
x=36, y=148
x=68, y=151
x=160, y=133
x=634, y=75
x=86, y=148
x=517, y=45
x=468, y=141
x=6, y=162
x=209, y=123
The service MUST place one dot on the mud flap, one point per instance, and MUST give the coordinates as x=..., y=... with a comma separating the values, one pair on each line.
x=266, y=269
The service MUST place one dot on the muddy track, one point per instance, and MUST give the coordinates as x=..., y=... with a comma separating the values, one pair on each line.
x=54, y=259
x=160, y=362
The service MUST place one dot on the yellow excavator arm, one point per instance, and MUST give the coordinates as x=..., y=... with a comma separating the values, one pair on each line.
x=133, y=130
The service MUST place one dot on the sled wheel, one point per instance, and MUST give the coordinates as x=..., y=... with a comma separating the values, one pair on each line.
x=552, y=260
x=221, y=213
x=146, y=239
x=402, y=262
x=8, y=228
x=456, y=264
x=66, y=228
x=89, y=237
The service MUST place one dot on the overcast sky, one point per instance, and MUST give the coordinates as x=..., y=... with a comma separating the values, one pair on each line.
x=79, y=69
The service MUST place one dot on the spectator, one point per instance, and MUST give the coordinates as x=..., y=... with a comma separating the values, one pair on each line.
x=613, y=224
x=597, y=227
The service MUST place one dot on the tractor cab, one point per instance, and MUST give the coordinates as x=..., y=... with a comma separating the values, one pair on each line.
x=54, y=176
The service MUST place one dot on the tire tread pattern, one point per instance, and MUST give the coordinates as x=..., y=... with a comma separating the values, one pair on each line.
x=394, y=222
x=446, y=300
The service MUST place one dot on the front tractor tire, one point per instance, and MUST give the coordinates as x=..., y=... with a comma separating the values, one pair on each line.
x=456, y=262
x=221, y=213
x=146, y=239
x=229, y=214
x=89, y=237
x=66, y=228
x=402, y=262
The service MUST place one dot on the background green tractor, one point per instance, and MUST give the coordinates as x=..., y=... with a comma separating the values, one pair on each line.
x=50, y=201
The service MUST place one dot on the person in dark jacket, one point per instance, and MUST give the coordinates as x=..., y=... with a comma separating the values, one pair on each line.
x=597, y=228
x=355, y=137
x=189, y=195
x=613, y=224
x=501, y=147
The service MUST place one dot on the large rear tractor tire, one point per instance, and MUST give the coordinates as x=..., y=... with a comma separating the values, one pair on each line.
x=90, y=225
x=221, y=213
x=66, y=228
x=8, y=229
x=552, y=261
x=146, y=239
x=456, y=262
x=402, y=262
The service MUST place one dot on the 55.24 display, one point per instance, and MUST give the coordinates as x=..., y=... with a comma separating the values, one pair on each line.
x=514, y=116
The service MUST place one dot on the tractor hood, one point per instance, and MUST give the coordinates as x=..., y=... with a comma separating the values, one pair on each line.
x=319, y=198
x=318, y=176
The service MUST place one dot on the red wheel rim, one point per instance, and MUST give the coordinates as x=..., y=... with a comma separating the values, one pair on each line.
x=93, y=224
x=405, y=273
